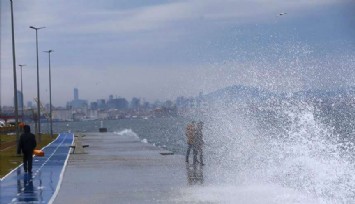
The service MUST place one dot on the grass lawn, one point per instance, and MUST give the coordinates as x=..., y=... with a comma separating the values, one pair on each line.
x=8, y=157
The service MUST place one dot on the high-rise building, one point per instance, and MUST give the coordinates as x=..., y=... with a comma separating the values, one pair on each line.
x=77, y=103
x=135, y=103
x=29, y=104
x=101, y=104
x=19, y=100
x=76, y=94
x=93, y=106
x=118, y=103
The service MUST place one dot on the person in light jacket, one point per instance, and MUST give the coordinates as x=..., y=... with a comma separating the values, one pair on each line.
x=190, y=136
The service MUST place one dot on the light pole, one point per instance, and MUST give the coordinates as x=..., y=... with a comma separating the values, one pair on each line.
x=14, y=70
x=38, y=98
x=50, y=91
x=21, y=65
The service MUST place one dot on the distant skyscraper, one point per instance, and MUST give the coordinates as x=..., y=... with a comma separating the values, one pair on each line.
x=19, y=100
x=77, y=103
x=76, y=94
x=93, y=106
x=101, y=104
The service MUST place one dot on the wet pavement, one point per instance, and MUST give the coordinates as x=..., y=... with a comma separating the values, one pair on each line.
x=122, y=169
x=41, y=185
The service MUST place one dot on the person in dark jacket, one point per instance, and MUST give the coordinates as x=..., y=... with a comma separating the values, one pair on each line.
x=26, y=145
x=199, y=141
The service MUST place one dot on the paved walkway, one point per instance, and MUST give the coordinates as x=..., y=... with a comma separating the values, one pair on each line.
x=41, y=185
x=122, y=169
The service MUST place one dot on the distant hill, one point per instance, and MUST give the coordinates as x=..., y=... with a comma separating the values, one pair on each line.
x=246, y=93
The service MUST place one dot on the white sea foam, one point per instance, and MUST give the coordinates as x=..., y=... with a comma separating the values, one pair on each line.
x=129, y=132
x=295, y=159
x=244, y=194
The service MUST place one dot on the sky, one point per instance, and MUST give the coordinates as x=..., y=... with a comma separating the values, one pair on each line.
x=162, y=49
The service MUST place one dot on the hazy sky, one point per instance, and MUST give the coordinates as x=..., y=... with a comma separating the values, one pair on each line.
x=158, y=49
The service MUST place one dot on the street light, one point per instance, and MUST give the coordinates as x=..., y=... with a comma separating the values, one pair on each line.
x=14, y=70
x=21, y=65
x=38, y=98
x=50, y=91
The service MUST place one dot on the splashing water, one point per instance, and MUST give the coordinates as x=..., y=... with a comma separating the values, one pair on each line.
x=281, y=150
x=128, y=132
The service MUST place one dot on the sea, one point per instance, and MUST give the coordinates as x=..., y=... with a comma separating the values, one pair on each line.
x=166, y=132
x=276, y=151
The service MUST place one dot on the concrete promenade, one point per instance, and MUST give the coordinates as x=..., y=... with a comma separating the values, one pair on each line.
x=122, y=169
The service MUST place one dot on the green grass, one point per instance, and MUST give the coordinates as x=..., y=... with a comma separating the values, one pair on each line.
x=9, y=158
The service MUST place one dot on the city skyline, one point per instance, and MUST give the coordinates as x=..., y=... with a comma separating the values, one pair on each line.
x=165, y=49
x=76, y=97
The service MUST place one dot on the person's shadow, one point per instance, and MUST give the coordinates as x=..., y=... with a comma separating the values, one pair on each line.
x=194, y=174
x=26, y=191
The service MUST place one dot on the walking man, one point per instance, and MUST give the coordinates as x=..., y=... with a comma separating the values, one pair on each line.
x=26, y=145
x=190, y=136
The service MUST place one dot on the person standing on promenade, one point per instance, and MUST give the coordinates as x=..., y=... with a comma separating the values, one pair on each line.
x=190, y=136
x=199, y=141
x=26, y=145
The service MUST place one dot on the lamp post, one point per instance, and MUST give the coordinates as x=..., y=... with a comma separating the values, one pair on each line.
x=14, y=70
x=50, y=91
x=38, y=98
x=21, y=65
